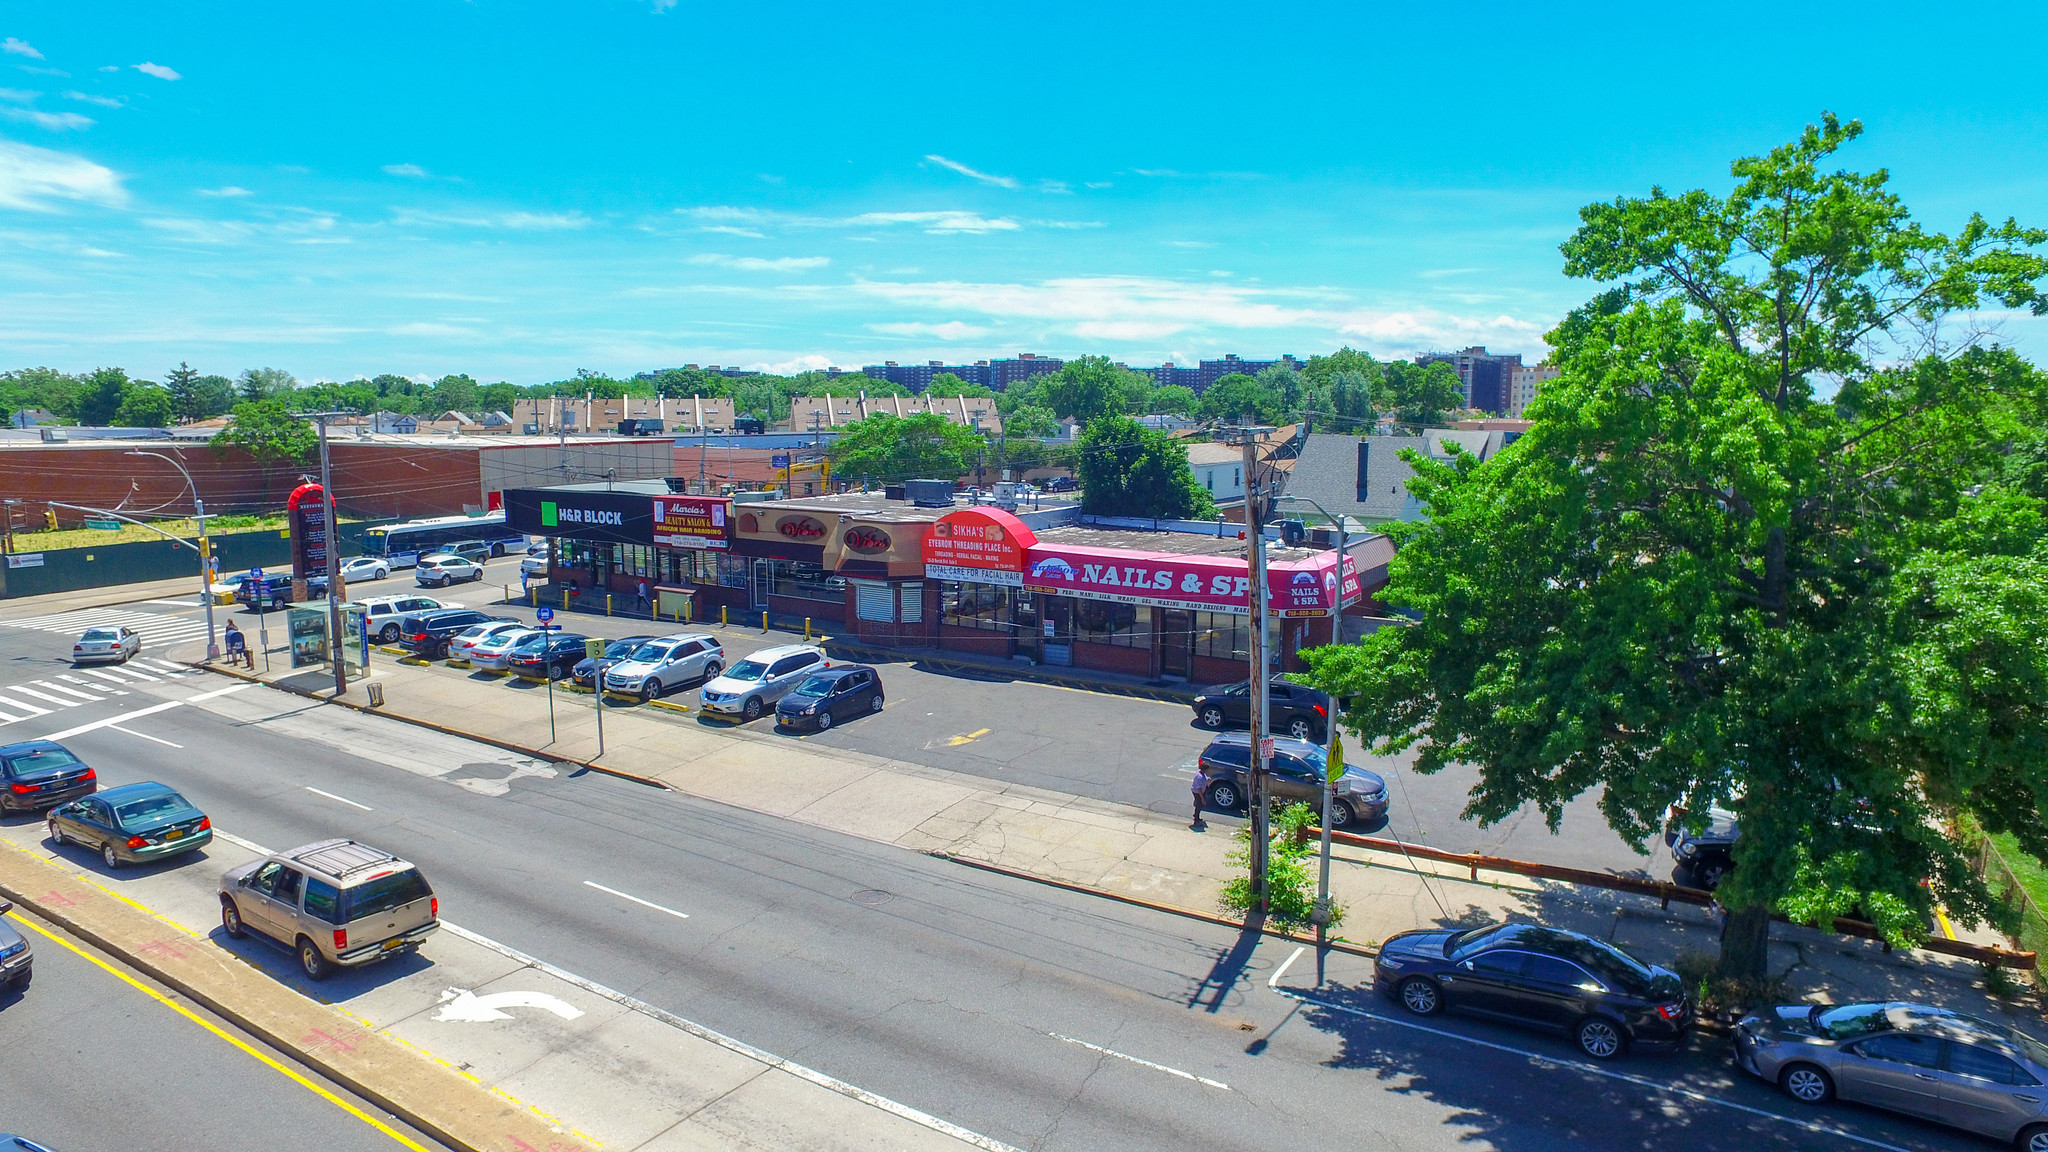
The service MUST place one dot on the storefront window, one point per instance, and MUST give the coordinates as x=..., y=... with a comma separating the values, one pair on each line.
x=1223, y=635
x=983, y=606
x=804, y=581
x=1121, y=625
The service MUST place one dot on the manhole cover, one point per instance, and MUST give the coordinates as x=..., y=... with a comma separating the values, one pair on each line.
x=872, y=897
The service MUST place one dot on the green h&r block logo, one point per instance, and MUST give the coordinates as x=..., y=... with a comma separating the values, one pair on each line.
x=547, y=514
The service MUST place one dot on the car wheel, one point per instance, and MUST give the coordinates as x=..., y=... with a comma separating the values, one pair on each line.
x=108, y=857
x=712, y=668
x=1421, y=996
x=389, y=635
x=649, y=690
x=1807, y=1084
x=875, y=705
x=231, y=920
x=1341, y=815
x=1224, y=795
x=56, y=834
x=1301, y=729
x=1599, y=1038
x=477, y=575
x=2033, y=1139
x=1710, y=876
x=316, y=966
x=751, y=710
x=1211, y=717
x=824, y=721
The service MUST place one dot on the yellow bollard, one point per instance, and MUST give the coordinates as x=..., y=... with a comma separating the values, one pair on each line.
x=764, y=621
x=565, y=599
x=533, y=597
x=689, y=610
x=722, y=621
x=607, y=603
x=807, y=629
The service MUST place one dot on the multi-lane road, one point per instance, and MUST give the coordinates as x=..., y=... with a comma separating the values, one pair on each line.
x=1045, y=1019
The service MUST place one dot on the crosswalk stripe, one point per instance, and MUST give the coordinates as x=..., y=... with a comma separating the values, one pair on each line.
x=102, y=675
x=98, y=687
x=174, y=669
x=67, y=691
x=31, y=709
x=126, y=671
x=7, y=718
x=57, y=700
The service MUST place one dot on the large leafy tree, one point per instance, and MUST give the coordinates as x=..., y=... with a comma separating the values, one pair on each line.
x=886, y=449
x=1127, y=469
x=265, y=383
x=1420, y=395
x=144, y=404
x=1769, y=546
x=1091, y=386
x=1239, y=397
x=267, y=430
x=101, y=396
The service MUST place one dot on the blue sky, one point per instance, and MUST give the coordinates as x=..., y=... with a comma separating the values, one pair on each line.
x=519, y=189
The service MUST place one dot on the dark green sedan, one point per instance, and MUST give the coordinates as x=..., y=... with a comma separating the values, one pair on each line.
x=132, y=824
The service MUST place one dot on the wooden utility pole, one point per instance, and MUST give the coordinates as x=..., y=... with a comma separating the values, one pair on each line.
x=1259, y=802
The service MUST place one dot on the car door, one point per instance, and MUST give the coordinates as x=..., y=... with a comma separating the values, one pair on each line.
x=1986, y=1091
x=850, y=696
x=1556, y=992
x=1294, y=780
x=1237, y=705
x=255, y=900
x=685, y=663
x=131, y=641
x=1898, y=1070
x=784, y=675
x=1488, y=983
x=1279, y=707
x=283, y=902
x=93, y=823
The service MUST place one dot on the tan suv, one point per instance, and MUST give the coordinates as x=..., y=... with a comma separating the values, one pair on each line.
x=334, y=902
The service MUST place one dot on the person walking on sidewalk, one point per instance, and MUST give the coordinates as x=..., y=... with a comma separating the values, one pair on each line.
x=646, y=605
x=1200, y=787
x=238, y=647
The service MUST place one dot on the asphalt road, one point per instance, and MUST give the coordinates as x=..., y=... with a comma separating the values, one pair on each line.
x=90, y=1060
x=1046, y=1019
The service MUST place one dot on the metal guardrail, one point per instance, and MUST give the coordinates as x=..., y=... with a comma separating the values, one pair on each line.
x=1663, y=891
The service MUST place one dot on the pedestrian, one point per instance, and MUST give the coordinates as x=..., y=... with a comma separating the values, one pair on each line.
x=523, y=575
x=1200, y=788
x=238, y=647
x=646, y=605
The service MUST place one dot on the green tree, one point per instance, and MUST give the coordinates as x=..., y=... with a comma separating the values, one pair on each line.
x=1030, y=421
x=45, y=388
x=1702, y=580
x=887, y=449
x=1089, y=387
x=267, y=430
x=182, y=383
x=1421, y=395
x=144, y=405
x=1174, y=399
x=214, y=396
x=1238, y=398
x=264, y=383
x=947, y=384
x=1127, y=469
x=455, y=392
x=101, y=396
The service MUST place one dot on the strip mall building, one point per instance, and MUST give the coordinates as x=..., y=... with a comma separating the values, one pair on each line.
x=1034, y=585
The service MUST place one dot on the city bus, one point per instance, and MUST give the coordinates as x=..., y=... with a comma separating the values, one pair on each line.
x=402, y=545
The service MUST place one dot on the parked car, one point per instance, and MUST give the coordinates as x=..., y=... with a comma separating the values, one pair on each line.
x=427, y=634
x=475, y=550
x=334, y=902
x=274, y=592
x=116, y=644
x=1606, y=1000
x=494, y=653
x=441, y=571
x=383, y=615
x=1062, y=484
x=549, y=658
x=662, y=665
x=756, y=684
x=585, y=672
x=825, y=698
x=365, y=568
x=1702, y=857
x=132, y=824
x=460, y=643
x=1939, y=1065
x=534, y=565
x=17, y=960
x=1303, y=713
x=42, y=774
x=224, y=588
x=1298, y=771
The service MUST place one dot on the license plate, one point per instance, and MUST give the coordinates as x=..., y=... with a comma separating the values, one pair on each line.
x=391, y=944
x=176, y=834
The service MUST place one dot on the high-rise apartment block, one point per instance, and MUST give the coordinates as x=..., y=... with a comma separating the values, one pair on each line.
x=994, y=374
x=1211, y=371
x=1527, y=379
x=1486, y=380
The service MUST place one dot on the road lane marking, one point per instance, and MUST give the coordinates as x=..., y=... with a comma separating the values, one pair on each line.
x=636, y=900
x=1284, y=966
x=215, y=692
x=68, y=691
x=237, y=1041
x=1138, y=1060
x=970, y=738
x=1581, y=1066
x=142, y=735
x=59, y=701
x=110, y=721
x=343, y=799
x=179, y=603
x=460, y=1005
x=166, y=665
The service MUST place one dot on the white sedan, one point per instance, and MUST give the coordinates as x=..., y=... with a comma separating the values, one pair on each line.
x=364, y=568
x=116, y=644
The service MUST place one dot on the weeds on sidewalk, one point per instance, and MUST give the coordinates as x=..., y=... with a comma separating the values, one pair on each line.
x=1722, y=997
x=1290, y=872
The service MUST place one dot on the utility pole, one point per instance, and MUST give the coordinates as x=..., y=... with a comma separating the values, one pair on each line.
x=335, y=642
x=205, y=550
x=1321, y=915
x=1259, y=802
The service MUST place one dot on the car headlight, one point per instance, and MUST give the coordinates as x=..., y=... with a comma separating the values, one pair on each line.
x=1685, y=850
x=14, y=949
x=1386, y=961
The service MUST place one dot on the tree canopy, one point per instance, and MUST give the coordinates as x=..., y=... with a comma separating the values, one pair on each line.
x=1127, y=469
x=1773, y=544
x=267, y=430
x=1240, y=398
x=1088, y=387
x=886, y=449
x=1420, y=395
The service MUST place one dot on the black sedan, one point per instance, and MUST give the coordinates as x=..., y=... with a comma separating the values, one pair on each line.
x=547, y=657
x=1603, y=998
x=1294, y=711
x=585, y=672
x=39, y=774
x=830, y=696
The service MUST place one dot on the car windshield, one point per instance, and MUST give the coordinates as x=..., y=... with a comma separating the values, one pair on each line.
x=651, y=653
x=531, y=645
x=618, y=648
x=41, y=760
x=746, y=670
x=1472, y=938
x=385, y=893
x=816, y=686
x=1851, y=1021
x=101, y=634
x=150, y=806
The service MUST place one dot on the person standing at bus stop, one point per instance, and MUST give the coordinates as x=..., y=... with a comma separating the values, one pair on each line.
x=646, y=605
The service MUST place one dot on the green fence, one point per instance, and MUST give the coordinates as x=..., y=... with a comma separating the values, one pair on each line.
x=70, y=569
x=2003, y=878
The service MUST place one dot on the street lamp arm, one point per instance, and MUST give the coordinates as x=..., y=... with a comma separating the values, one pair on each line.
x=205, y=548
x=180, y=540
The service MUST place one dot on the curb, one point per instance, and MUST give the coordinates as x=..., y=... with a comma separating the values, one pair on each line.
x=1029, y=673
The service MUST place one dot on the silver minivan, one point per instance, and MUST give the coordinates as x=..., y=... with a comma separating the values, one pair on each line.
x=336, y=902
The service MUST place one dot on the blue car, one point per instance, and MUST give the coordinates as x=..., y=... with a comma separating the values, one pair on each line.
x=132, y=824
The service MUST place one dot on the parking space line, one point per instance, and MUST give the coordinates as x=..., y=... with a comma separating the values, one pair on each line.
x=636, y=900
x=1274, y=981
x=1594, y=1070
x=1140, y=1061
x=343, y=799
x=970, y=738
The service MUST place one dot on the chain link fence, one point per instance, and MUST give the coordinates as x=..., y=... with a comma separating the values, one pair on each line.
x=2000, y=876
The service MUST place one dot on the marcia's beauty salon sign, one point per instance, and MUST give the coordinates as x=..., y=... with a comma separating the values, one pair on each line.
x=693, y=522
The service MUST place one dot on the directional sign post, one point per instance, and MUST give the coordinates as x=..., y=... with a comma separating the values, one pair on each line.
x=262, y=629
x=546, y=614
x=546, y=669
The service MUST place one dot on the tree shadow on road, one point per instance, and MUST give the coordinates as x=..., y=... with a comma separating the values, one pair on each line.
x=1216, y=988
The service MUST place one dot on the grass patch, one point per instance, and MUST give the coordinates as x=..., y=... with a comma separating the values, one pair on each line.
x=48, y=541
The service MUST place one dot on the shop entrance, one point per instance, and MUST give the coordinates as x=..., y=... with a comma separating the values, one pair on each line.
x=762, y=583
x=1176, y=635
x=1025, y=628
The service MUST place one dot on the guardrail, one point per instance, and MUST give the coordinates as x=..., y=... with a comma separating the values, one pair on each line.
x=1663, y=891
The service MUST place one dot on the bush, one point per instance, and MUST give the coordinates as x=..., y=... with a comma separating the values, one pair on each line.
x=1291, y=867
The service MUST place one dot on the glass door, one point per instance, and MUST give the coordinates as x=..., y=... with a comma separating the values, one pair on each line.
x=1176, y=635
x=764, y=581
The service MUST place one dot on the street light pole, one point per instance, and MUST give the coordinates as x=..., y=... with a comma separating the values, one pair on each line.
x=1321, y=916
x=205, y=550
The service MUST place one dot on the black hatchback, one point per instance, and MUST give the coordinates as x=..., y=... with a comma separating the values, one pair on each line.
x=834, y=694
x=1604, y=999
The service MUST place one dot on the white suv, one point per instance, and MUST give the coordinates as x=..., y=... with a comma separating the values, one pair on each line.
x=753, y=685
x=670, y=662
x=381, y=614
x=441, y=571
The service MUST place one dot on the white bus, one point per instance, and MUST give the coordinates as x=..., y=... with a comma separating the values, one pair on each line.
x=402, y=545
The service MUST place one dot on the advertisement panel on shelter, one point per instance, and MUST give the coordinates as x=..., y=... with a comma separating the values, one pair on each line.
x=693, y=522
x=978, y=545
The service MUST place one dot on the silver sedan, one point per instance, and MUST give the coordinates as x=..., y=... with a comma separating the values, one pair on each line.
x=494, y=653
x=116, y=644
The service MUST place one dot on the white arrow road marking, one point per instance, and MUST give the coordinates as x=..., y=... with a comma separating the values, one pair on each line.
x=460, y=1004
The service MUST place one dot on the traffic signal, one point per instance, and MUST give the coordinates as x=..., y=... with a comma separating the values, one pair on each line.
x=52, y=514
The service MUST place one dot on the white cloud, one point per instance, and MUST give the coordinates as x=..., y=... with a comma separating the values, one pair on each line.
x=14, y=47
x=35, y=71
x=1098, y=184
x=427, y=329
x=31, y=177
x=304, y=227
x=516, y=221
x=964, y=170
x=758, y=264
x=412, y=170
x=18, y=95
x=730, y=230
x=156, y=70
x=88, y=98
x=229, y=190
x=950, y=330
x=1058, y=187
x=1192, y=243
x=939, y=222
x=54, y=121
x=110, y=67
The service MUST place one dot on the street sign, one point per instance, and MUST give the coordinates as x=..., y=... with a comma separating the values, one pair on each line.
x=594, y=649
x=104, y=525
x=546, y=614
x=1335, y=768
x=256, y=574
x=1265, y=747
